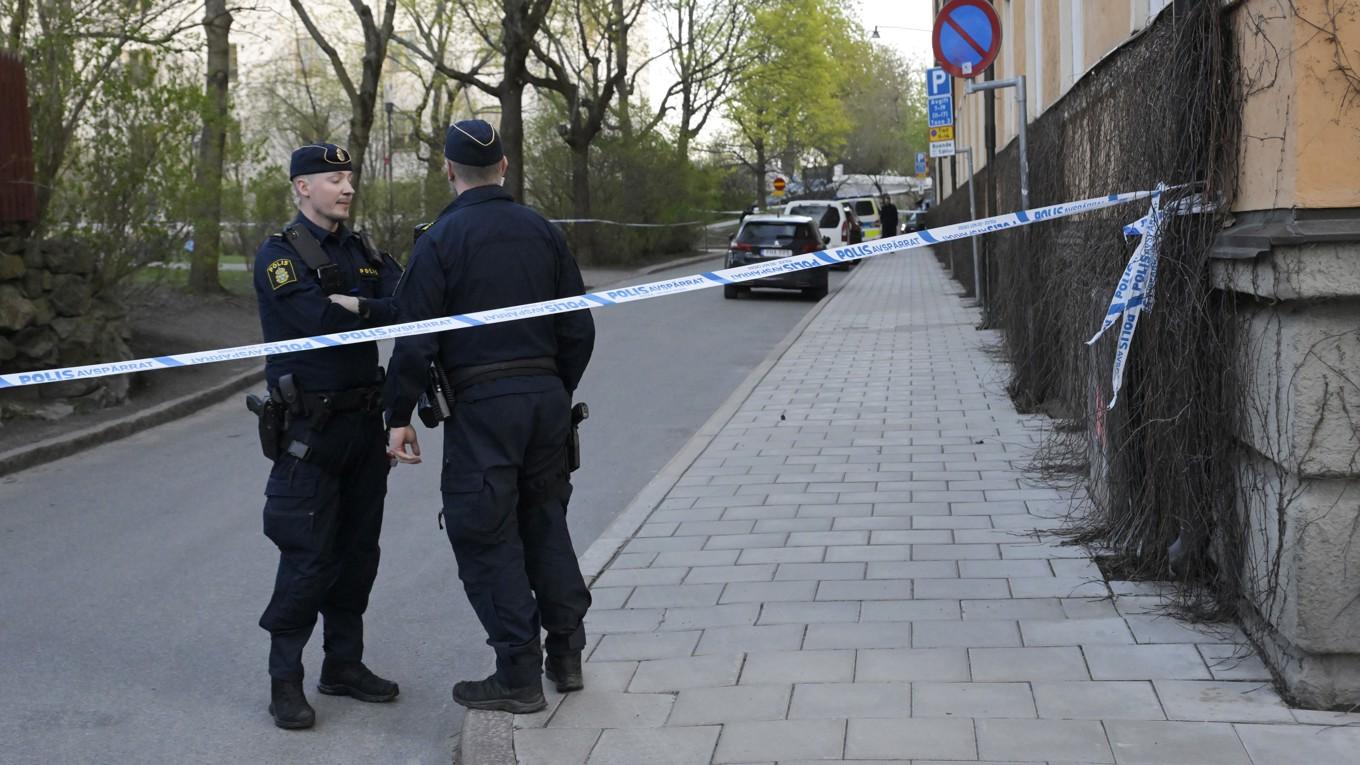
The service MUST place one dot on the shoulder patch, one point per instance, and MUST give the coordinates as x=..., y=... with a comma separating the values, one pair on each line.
x=281, y=273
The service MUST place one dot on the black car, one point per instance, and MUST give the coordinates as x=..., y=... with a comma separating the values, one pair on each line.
x=771, y=237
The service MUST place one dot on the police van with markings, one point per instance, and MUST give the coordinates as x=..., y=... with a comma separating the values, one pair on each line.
x=866, y=209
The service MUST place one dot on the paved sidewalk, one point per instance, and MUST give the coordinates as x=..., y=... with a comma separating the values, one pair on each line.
x=855, y=570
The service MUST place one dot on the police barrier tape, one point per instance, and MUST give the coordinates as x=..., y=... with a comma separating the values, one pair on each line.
x=1135, y=291
x=626, y=225
x=589, y=300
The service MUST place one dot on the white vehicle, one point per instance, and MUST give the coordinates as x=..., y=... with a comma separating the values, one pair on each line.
x=830, y=218
x=866, y=209
x=833, y=220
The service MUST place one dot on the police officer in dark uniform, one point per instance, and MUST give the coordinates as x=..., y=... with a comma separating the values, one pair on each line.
x=505, y=480
x=887, y=216
x=325, y=493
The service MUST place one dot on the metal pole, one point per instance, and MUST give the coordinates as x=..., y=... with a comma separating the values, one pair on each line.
x=989, y=200
x=1021, y=102
x=1023, y=113
x=939, y=195
x=972, y=214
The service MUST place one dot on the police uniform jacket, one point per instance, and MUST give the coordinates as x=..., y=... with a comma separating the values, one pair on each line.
x=293, y=305
x=485, y=251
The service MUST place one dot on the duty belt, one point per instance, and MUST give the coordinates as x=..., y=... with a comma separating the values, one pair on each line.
x=355, y=399
x=462, y=378
x=367, y=399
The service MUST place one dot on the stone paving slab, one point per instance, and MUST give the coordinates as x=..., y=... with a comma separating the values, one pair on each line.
x=857, y=569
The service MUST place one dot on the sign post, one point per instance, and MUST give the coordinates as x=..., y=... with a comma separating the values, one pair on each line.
x=1022, y=111
x=972, y=215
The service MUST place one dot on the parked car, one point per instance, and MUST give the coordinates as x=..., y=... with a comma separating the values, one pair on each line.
x=834, y=219
x=913, y=220
x=866, y=209
x=771, y=237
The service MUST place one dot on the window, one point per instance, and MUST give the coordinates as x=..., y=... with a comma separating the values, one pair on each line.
x=770, y=232
x=825, y=215
x=864, y=207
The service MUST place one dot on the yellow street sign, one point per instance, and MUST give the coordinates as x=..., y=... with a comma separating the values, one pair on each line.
x=943, y=133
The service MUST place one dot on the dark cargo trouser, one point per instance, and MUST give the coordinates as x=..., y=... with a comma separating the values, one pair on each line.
x=505, y=488
x=325, y=515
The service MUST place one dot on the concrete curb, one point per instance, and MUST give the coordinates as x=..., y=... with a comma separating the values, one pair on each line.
x=488, y=738
x=55, y=448
x=657, y=268
x=604, y=549
x=681, y=262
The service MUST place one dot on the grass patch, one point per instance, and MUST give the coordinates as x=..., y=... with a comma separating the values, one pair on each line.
x=235, y=282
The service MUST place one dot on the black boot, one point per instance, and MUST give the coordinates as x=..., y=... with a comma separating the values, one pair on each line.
x=352, y=678
x=288, y=704
x=565, y=672
x=492, y=694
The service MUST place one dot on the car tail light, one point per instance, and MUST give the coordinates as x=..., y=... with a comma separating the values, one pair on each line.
x=845, y=230
x=743, y=246
x=811, y=247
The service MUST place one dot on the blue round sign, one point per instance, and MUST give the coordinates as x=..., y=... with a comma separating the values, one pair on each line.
x=967, y=37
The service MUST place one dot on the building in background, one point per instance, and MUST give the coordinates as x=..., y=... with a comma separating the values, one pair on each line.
x=1233, y=456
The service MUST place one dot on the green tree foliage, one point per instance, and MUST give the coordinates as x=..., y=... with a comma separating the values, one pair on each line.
x=71, y=50
x=788, y=102
x=647, y=182
x=886, y=103
x=126, y=187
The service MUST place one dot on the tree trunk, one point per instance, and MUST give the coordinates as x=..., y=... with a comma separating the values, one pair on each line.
x=437, y=192
x=580, y=201
x=512, y=133
x=360, y=132
x=361, y=120
x=203, y=277
x=760, y=172
x=621, y=44
x=17, y=25
x=686, y=118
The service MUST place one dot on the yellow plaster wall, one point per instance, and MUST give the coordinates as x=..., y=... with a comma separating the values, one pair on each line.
x=1107, y=25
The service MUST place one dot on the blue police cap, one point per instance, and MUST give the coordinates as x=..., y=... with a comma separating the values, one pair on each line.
x=318, y=158
x=474, y=143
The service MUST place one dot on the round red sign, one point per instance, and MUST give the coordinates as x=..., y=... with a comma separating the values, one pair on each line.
x=779, y=184
x=967, y=37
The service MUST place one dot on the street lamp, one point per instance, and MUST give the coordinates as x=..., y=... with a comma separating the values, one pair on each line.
x=875, y=35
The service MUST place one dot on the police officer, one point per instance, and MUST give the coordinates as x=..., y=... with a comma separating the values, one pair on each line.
x=325, y=493
x=887, y=216
x=505, y=480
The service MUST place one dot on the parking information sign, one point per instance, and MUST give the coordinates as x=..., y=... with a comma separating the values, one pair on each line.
x=941, y=111
x=938, y=83
x=940, y=102
x=920, y=163
x=939, y=97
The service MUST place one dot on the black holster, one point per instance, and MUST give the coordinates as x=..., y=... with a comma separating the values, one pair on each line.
x=273, y=426
x=436, y=403
x=579, y=413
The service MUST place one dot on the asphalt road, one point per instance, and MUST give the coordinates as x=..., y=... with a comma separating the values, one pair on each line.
x=132, y=575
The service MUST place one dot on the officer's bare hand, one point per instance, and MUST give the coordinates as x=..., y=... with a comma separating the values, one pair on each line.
x=348, y=302
x=402, y=445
